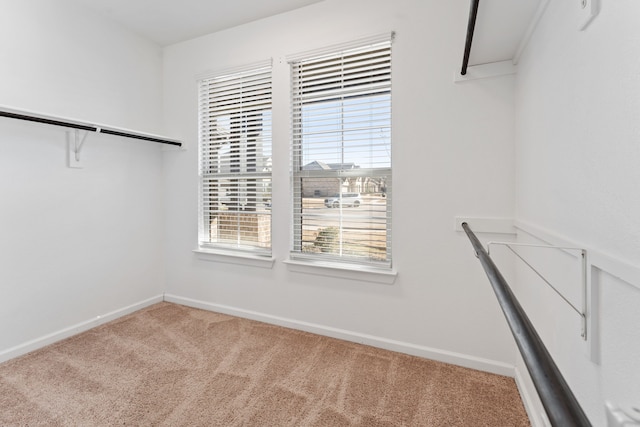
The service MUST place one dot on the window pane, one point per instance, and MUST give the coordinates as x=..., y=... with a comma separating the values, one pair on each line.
x=341, y=115
x=235, y=155
x=239, y=229
x=247, y=195
x=355, y=132
x=344, y=217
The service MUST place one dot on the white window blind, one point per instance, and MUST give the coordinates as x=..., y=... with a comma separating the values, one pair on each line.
x=341, y=155
x=235, y=161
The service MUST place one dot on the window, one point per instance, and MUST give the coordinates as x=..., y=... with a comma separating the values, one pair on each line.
x=341, y=155
x=235, y=161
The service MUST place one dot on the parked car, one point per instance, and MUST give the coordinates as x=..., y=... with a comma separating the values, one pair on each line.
x=348, y=199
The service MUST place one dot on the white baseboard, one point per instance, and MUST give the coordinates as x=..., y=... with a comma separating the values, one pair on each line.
x=445, y=356
x=536, y=418
x=51, y=338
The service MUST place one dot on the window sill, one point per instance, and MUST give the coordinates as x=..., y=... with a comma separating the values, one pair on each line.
x=234, y=258
x=342, y=271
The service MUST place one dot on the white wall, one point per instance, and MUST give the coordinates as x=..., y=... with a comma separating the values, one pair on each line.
x=75, y=243
x=578, y=149
x=60, y=59
x=452, y=155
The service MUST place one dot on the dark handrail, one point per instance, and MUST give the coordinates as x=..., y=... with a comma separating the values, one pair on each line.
x=557, y=398
x=471, y=26
x=87, y=127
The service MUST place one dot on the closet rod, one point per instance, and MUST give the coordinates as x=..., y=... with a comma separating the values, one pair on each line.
x=471, y=26
x=88, y=127
x=556, y=396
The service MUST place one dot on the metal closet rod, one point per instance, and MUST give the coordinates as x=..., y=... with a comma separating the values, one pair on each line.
x=471, y=26
x=558, y=400
x=87, y=127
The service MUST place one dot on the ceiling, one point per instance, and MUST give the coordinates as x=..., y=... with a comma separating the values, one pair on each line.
x=171, y=21
x=500, y=26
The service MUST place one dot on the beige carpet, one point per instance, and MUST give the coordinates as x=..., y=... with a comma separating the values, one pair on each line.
x=173, y=365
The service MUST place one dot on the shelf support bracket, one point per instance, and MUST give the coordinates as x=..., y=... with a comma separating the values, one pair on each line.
x=583, y=282
x=75, y=147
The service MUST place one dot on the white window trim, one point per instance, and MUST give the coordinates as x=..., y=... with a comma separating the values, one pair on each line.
x=369, y=272
x=343, y=271
x=221, y=254
x=230, y=257
x=233, y=70
x=377, y=38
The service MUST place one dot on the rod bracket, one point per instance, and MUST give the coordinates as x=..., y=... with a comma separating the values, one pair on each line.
x=75, y=143
x=582, y=312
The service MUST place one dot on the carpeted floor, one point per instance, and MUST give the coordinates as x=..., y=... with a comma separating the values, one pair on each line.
x=173, y=365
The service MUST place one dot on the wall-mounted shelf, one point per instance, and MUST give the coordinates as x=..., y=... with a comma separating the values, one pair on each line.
x=32, y=116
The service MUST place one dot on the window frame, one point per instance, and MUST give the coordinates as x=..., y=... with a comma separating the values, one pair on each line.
x=319, y=263
x=239, y=169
